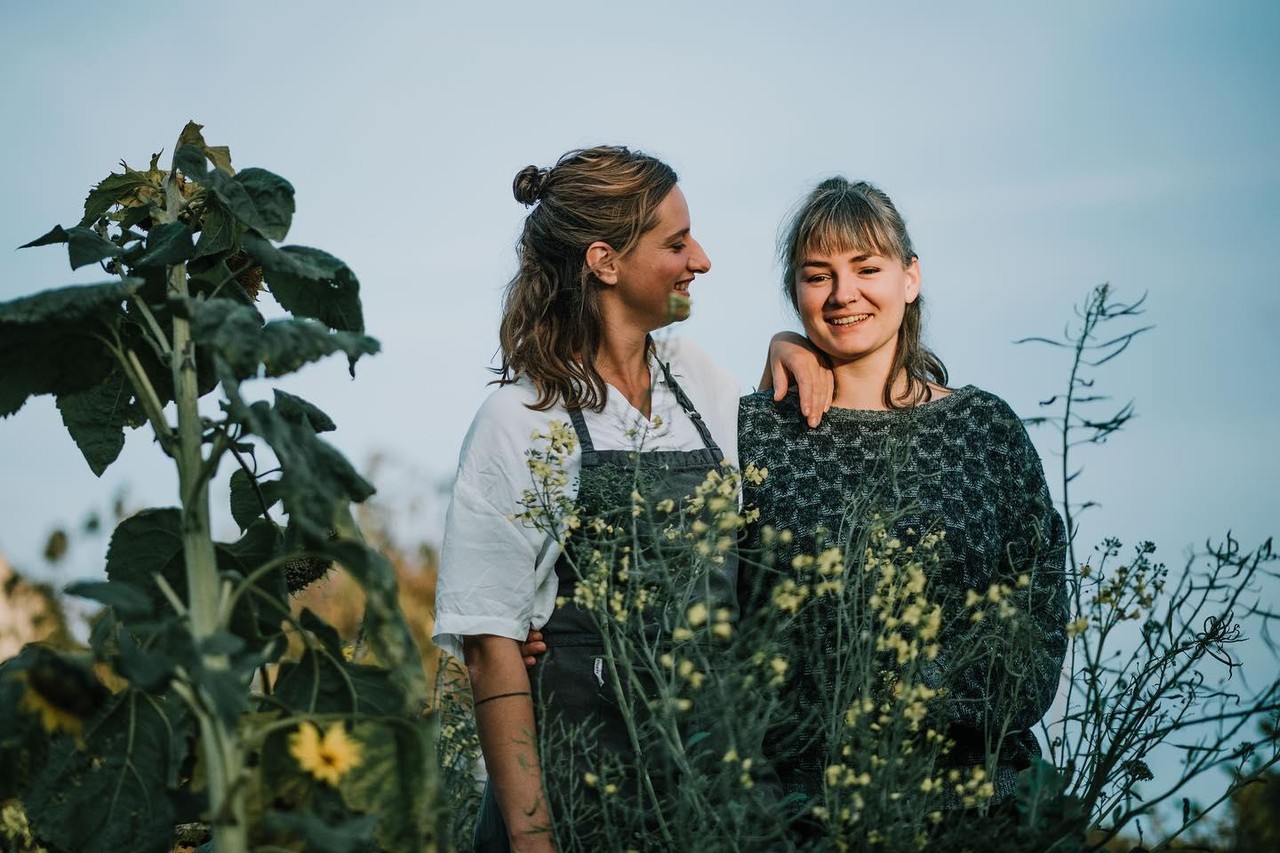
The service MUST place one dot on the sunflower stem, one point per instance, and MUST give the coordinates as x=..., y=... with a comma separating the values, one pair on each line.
x=221, y=747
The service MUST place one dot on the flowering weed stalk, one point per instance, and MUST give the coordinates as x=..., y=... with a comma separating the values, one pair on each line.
x=1154, y=672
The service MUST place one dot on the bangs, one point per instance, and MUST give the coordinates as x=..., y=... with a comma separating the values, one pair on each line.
x=845, y=223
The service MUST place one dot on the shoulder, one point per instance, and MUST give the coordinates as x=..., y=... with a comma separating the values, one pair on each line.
x=691, y=365
x=771, y=431
x=759, y=407
x=984, y=408
x=992, y=422
x=758, y=404
x=504, y=425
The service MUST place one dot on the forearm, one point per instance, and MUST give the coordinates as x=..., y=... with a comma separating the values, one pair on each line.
x=504, y=720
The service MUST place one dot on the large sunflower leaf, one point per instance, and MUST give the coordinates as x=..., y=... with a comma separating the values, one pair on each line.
x=49, y=341
x=96, y=418
x=309, y=282
x=110, y=191
x=237, y=335
x=110, y=795
x=84, y=245
x=167, y=244
x=384, y=624
x=147, y=544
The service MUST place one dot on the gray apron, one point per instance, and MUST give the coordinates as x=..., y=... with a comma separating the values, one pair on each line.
x=581, y=726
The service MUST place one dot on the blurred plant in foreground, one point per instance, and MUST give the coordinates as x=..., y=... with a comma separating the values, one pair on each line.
x=192, y=722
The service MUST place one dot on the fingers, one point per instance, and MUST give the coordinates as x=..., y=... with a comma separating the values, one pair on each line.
x=817, y=386
x=532, y=647
x=812, y=404
x=780, y=379
x=823, y=388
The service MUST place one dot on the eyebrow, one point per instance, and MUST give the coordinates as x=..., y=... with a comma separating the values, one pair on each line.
x=857, y=259
x=677, y=235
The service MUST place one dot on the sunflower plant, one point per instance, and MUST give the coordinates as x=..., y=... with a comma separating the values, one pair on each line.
x=182, y=709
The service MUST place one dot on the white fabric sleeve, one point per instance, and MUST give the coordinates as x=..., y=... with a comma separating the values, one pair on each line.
x=496, y=573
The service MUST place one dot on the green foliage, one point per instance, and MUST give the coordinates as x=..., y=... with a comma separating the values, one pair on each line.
x=96, y=418
x=190, y=626
x=112, y=794
x=50, y=344
x=84, y=245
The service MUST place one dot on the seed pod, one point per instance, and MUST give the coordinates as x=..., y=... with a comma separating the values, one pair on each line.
x=301, y=572
x=249, y=275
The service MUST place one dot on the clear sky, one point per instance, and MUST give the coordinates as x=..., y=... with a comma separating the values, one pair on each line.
x=1035, y=150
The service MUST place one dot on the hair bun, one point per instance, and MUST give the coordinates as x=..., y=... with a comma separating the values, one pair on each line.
x=529, y=184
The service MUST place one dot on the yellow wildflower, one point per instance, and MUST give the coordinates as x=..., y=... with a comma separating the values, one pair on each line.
x=326, y=758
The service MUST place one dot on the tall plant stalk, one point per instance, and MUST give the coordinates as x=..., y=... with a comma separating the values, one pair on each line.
x=188, y=621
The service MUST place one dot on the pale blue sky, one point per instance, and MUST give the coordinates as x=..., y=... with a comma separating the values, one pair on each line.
x=1035, y=149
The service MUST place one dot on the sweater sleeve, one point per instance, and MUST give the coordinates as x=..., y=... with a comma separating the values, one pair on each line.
x=1010, y=662
x=1033, y=567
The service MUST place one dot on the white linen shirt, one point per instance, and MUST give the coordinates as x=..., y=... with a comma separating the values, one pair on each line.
x=497, y=574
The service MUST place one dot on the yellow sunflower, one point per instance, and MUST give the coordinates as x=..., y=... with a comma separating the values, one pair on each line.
x=53, y=717
x=61, y=692
x=326, y=758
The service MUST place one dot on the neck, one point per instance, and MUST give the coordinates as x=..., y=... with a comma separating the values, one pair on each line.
x=622, y=362
x=860, y=383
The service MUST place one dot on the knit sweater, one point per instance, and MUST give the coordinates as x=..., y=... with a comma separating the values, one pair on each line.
x=961, y=464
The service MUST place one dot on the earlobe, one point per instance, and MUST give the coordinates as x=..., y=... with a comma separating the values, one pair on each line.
x=603, y=262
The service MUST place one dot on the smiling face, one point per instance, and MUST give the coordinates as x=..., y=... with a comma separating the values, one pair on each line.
x=649, y=285
x=852, y=303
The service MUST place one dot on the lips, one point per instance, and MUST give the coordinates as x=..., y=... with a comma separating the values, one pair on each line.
x=850, y=320
x=683, y=286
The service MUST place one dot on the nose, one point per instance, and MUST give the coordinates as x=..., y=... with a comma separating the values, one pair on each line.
x=844, y=289
x=698, y=260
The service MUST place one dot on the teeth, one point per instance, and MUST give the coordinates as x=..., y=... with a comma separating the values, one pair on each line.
x=849, y=321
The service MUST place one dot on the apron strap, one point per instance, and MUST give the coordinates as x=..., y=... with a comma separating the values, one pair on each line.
x=687, y=404
x=584, y=434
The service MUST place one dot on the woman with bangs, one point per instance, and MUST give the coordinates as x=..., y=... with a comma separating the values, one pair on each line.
x=954, y=461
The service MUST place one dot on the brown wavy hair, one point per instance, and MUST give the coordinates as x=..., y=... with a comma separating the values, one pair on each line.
x=552, y=322
x=839, y=216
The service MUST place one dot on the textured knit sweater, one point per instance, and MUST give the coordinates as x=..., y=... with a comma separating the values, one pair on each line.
x=961, y=464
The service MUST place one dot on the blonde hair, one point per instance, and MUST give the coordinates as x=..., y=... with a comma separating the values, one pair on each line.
x=552, y=322
x=839, y=216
